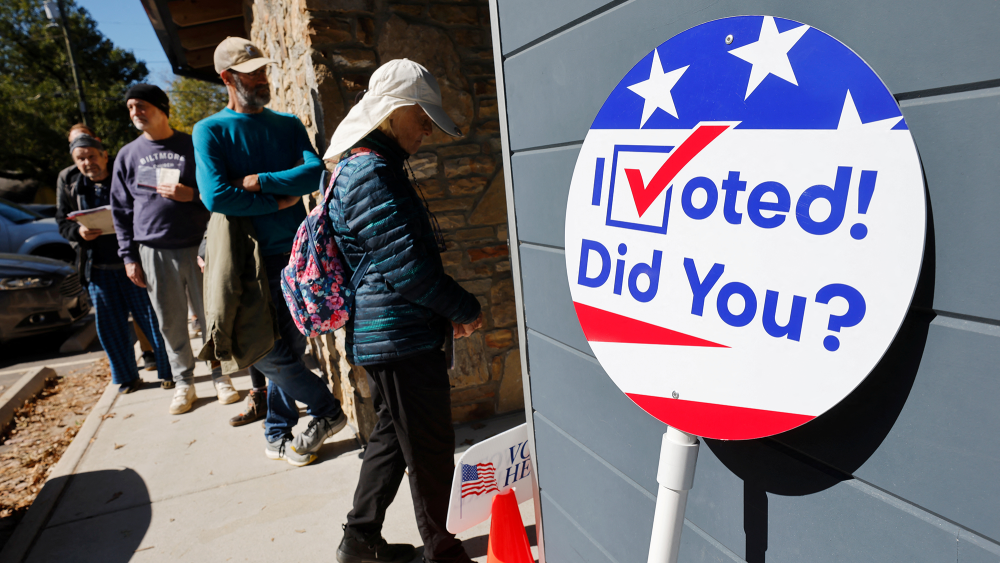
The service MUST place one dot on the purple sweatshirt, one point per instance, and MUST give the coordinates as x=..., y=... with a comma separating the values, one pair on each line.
x=141, y=215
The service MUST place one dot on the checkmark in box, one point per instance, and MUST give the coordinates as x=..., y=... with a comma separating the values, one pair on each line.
x=638, y=161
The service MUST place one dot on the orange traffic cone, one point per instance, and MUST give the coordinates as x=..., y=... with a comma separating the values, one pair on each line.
x=508, y=538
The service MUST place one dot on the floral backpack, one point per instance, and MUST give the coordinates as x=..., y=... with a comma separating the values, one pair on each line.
x=313, y=282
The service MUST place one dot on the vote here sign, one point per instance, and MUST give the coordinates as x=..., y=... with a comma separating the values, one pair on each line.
x=745, y=227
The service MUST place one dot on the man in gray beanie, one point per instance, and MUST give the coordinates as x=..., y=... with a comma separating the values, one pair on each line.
x=160, y=222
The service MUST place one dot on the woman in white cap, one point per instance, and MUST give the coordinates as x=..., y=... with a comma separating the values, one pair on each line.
x=405, y=310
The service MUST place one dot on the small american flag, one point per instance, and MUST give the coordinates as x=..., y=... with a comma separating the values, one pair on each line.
x=478, y=479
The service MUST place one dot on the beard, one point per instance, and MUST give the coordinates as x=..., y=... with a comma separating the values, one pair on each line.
x=254, y=99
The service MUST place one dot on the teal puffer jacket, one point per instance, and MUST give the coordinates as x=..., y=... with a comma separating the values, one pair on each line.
x=405, y=303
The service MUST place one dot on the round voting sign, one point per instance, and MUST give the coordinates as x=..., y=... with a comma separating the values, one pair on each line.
x=745, y=227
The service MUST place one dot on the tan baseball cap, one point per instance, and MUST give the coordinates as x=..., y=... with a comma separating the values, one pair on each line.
x=236, y=53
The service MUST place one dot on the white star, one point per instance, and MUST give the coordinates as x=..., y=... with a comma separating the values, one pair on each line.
x=656, y=90
x=849, y=118
x=769, y=54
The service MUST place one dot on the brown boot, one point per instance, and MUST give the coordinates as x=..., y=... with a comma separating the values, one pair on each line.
x=256, y=409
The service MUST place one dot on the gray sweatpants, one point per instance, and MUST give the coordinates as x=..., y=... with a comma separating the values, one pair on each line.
x=173, y=278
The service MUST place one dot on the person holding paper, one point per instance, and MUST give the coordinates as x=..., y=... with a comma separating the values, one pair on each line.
x=68, y=176
x=113, y=295
x=160, y=221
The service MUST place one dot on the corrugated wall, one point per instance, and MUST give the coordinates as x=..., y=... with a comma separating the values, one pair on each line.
x=906, y=468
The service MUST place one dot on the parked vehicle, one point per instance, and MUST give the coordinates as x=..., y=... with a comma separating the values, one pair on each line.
x=24, y=231
x=38, y=295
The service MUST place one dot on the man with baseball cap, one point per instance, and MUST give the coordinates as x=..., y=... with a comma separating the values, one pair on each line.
x=160, y=222
x=255, y=162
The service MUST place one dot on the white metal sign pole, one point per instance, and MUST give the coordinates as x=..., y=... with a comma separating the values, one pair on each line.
x=678, y=456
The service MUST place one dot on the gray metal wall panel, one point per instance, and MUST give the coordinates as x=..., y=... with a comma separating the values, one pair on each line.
x=926, y=44
x=595, y=496
x=575, y=394
x=715, y=504
x=523, y=21
x=564, y=543
x=578, y=396
x=940, y=455
x=541, y=186
x=548, y=306
x=943, y=452
x=696, y=549
x=976, y=550
x=958, y=136
x=845, y=524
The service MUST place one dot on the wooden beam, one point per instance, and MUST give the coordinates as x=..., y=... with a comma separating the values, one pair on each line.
x=201, y=58
x=210, y=34
x=195, y=12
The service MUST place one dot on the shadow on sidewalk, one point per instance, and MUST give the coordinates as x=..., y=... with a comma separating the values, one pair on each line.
x=332, y=450
x=101, y=517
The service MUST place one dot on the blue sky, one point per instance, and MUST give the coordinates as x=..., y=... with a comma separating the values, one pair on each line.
x=124, y=22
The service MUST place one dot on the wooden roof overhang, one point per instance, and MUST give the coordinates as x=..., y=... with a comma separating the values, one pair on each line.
x=189, y=31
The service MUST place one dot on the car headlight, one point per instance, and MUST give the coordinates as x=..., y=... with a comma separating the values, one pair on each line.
x=7, y=284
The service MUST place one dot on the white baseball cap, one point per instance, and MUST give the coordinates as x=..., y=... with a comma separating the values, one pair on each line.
x=397, y=83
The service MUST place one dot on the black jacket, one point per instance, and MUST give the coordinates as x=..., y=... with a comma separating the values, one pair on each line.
x=71, y=195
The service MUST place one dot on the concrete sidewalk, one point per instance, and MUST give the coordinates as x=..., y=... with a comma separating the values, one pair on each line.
x=150, y=486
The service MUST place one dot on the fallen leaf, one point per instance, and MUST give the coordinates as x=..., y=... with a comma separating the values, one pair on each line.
x=144, y=548
x=175, y=422
x=107, y=416
x=300, y=531
x=191, y=442
x=210, y=473
x=115, y=496
x=171, y=519
x=130, y=415
x=119, y=446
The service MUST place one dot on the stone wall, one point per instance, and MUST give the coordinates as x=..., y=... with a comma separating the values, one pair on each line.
x=327, y=50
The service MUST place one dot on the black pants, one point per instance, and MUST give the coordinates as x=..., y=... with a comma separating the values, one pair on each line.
x=412, y=398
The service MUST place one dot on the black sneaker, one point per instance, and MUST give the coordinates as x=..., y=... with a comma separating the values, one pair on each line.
x=149, y=361
x=131, y=386
x=373, y=550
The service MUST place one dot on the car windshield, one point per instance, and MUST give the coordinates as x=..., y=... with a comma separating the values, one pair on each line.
x=14, y=212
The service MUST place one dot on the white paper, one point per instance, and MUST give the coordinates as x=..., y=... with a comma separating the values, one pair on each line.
x=97, y=218
x=167, y=176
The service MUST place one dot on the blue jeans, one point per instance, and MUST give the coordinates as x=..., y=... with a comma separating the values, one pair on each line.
x=114, y=296
x=289, y=379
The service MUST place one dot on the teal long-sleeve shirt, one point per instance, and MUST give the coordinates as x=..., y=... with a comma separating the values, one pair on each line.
x=271, y=144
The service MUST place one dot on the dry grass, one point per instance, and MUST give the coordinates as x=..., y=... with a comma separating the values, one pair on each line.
x=41, y=431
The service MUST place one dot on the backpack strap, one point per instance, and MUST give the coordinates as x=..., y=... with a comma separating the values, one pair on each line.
x=359, y=274
x=366, y=260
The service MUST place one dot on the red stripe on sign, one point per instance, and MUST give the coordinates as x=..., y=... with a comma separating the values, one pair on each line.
x=643, y=194
x=604, y=326
x=718, y=421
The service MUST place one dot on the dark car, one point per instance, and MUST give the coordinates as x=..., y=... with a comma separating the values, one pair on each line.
x=38, y=295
